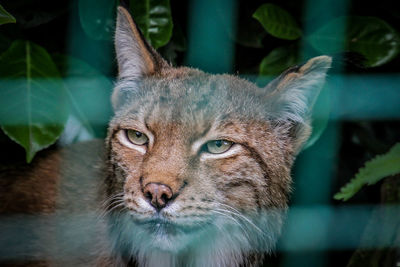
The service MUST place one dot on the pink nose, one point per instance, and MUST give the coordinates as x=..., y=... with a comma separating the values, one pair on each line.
x=157, y=194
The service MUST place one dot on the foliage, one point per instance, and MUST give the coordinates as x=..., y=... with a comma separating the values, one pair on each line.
x=71, y=68
x=98, y=23
x=374, y=170
x=153, y=18
x=5, y=17
x=277, y=22
x=83, y=82
x=279, y=60
x=371, y=37
x=32, y=105
x=39, y=92
x=78, y=81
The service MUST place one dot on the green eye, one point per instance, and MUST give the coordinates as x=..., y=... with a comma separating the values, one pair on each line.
x=136, y=137
x=218, y=146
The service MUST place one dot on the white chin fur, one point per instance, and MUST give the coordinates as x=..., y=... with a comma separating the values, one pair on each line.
x=221, y=244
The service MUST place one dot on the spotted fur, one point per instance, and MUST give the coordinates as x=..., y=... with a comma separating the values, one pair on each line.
x=226, y=209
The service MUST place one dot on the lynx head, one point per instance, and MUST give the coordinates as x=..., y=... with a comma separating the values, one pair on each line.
x=200, y=163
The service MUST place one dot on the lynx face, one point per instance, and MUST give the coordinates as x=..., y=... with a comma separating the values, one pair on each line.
x=199, y=163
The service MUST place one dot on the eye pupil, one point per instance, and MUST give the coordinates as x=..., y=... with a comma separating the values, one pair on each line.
x=218, y=146
x=136, y=137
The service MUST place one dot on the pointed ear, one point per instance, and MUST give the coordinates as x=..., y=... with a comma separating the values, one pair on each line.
x=292, y=96
x=136, y=58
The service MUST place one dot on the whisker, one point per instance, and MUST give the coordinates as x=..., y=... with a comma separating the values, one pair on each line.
x=114, y=200
x=116, y=206
x=221, y=212
x=110, y=198
x=241, y=216
x=108, y=204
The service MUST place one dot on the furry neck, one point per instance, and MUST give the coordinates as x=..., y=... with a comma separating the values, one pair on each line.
x=195, y=259
x=214, y=248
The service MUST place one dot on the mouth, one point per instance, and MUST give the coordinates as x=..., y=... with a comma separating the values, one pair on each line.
x=161, y=226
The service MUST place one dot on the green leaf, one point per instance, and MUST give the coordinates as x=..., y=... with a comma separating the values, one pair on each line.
x=153, y=17
x=88, y=94
x=249, y=33
x=176, y=44
x=278, y=60
x=372, y=37
x=32, y=104
x=5, y=17
x=373, y=171
x=277, y=22
x=98, y=18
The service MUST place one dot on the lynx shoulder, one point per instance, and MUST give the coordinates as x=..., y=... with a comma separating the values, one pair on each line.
x=195, y=170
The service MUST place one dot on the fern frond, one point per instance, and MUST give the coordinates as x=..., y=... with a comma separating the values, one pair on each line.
x=374, y=170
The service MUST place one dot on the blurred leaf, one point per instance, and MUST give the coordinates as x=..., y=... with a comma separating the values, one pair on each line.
x=98, y=18
x=5, y=17
x=372, y=37
x=5, y=43
x=176, y=44
x=278, y=60
x=374, y=170
x=30, y=18
x=153, y=17
x=88, y=94
x=320, y=116
x=277, y=22
x=249, y=33
x=32, y=104
x=32, y=13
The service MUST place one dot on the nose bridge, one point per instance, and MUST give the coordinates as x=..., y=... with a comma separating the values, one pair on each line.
x=165, y=165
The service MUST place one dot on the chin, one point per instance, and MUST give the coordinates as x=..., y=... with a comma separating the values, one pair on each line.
x=142, y=236
x=198, y=244
x=167, y=237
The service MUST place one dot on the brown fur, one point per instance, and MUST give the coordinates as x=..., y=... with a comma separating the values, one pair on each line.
x=224, y=210
x=35, y=200
x=33, y=194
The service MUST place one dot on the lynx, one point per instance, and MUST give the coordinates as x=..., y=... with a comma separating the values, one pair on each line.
x=195, y=170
